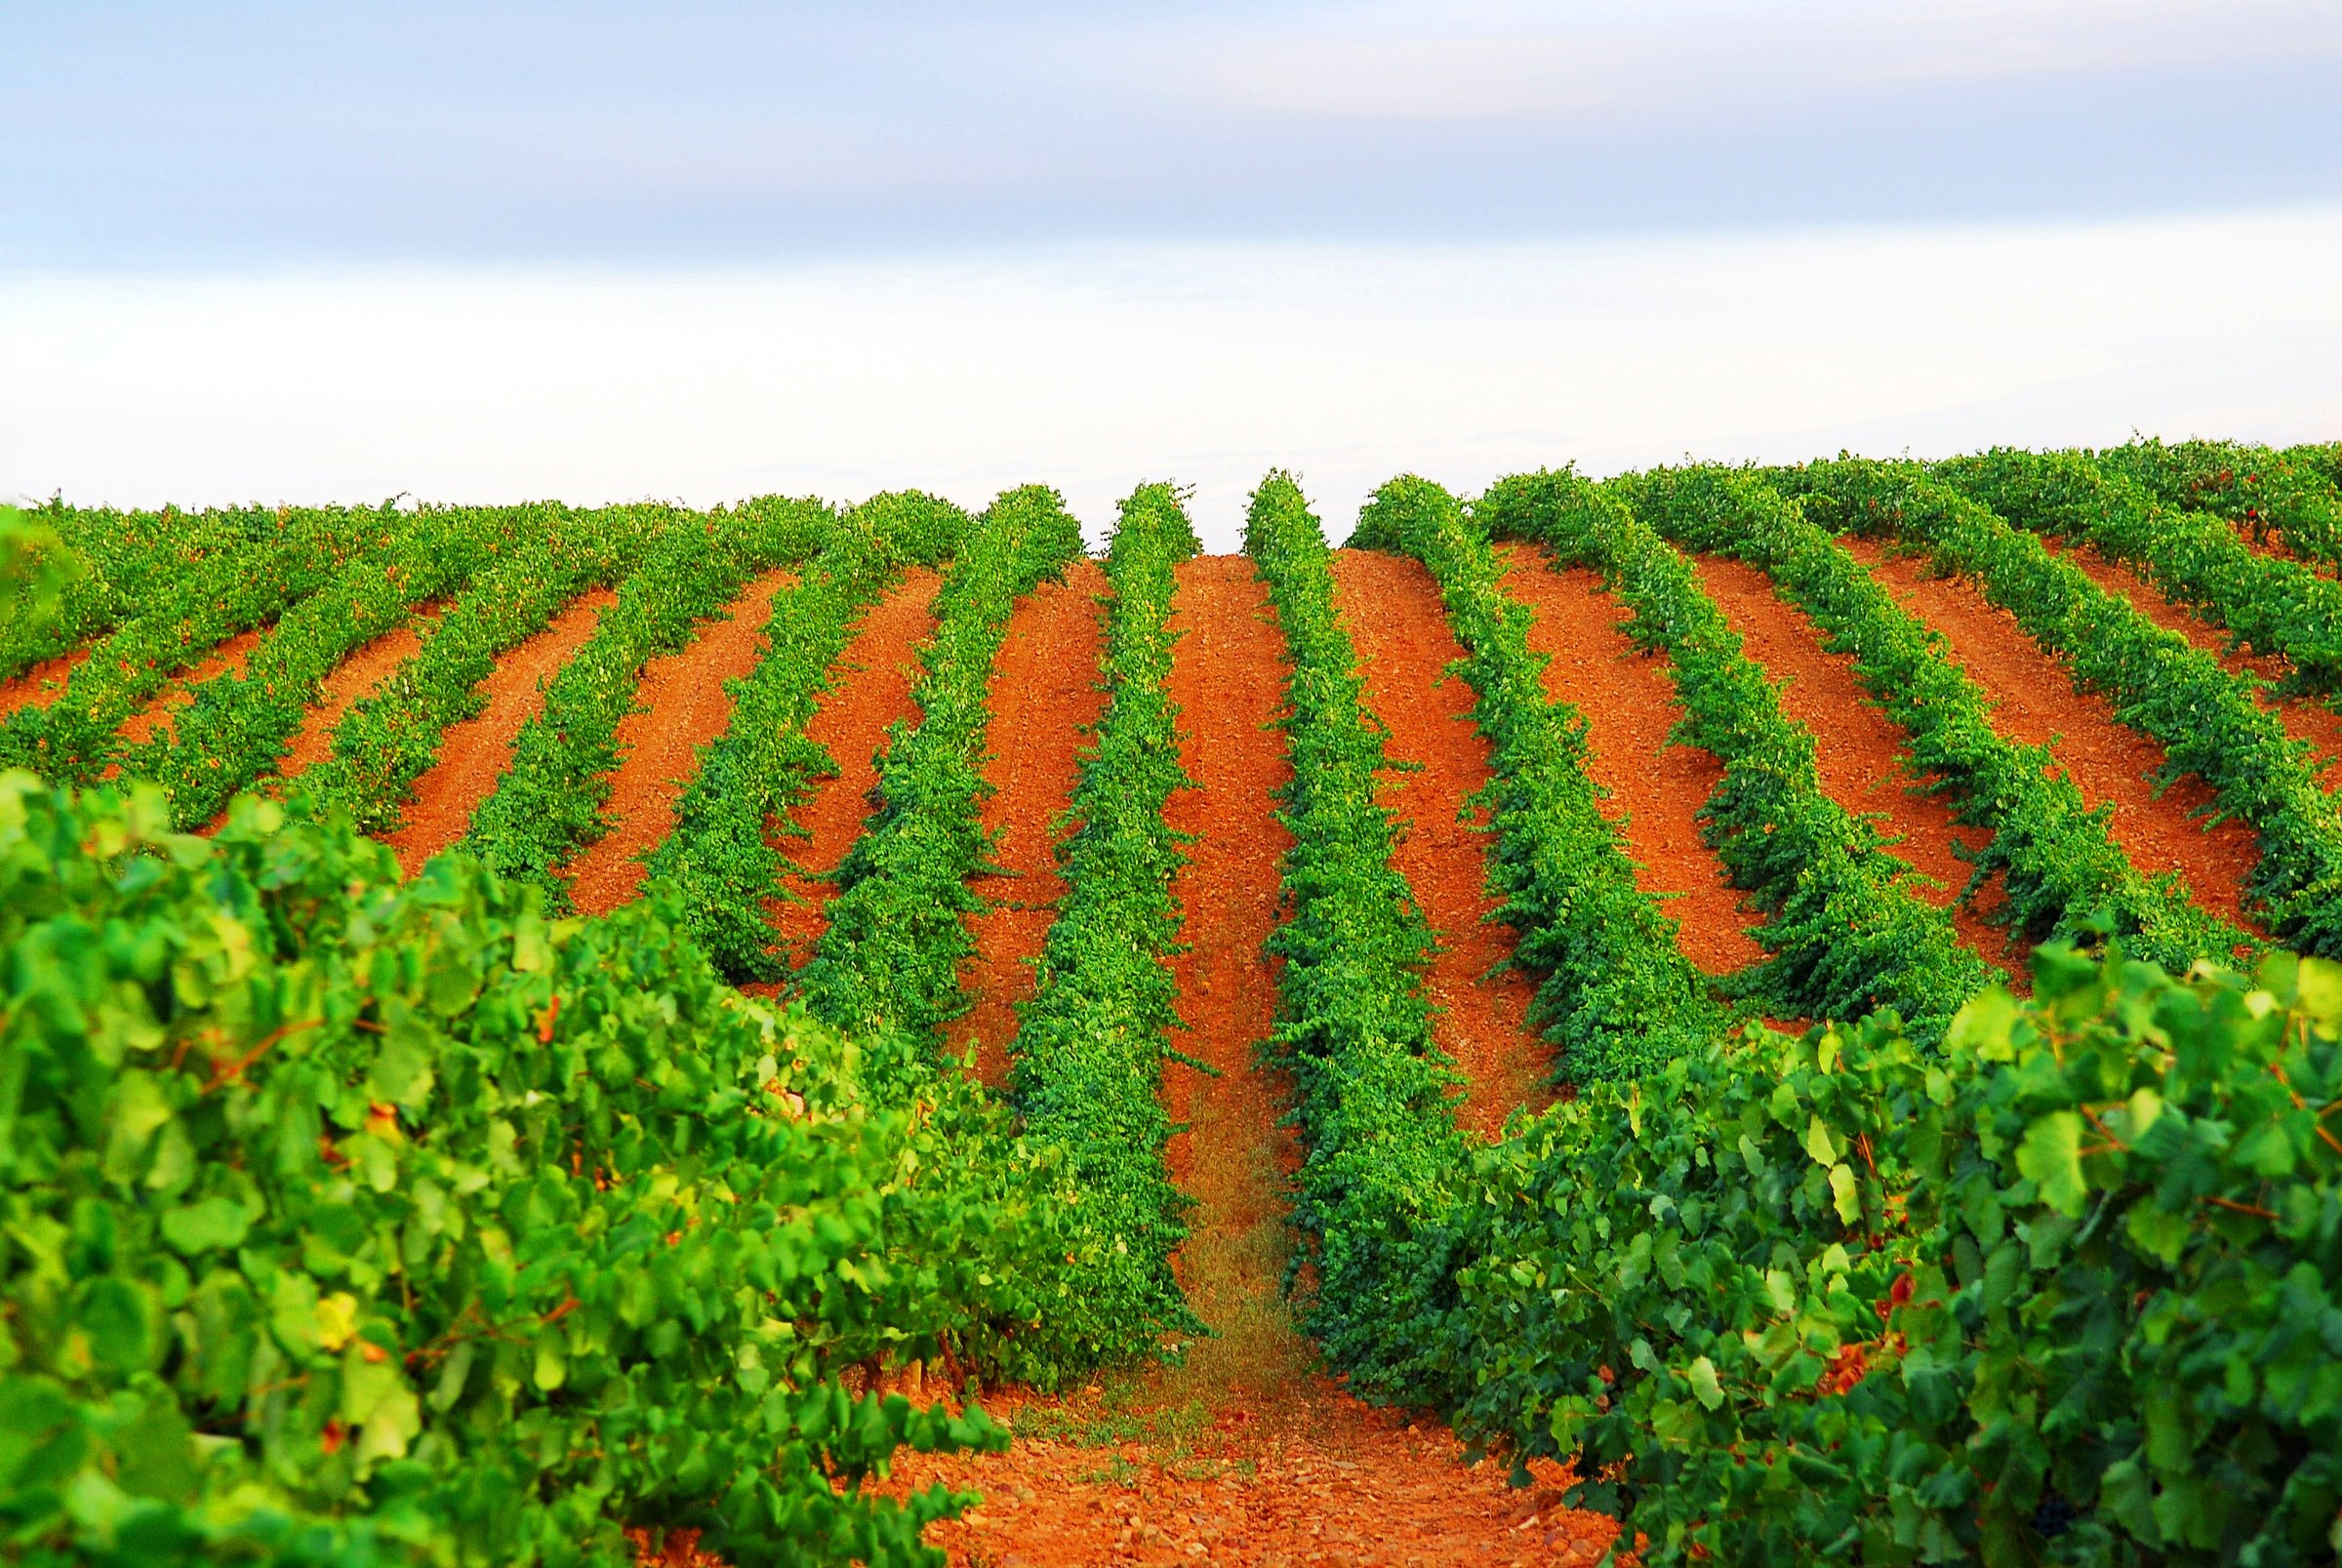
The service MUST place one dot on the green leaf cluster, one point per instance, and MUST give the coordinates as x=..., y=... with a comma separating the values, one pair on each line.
x=2206, y=718
x=1616, y=995
x=2067, y=1290
x=1846, y=932
x=347, y=1222
x=2057, y=871
x=1086, y=1066
x=549, y=804
x=2265, y=602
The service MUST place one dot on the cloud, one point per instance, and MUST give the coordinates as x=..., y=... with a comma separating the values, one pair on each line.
x=1664, y=60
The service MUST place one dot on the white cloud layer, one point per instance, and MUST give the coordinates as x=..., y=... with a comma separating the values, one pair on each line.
x=1094, y=367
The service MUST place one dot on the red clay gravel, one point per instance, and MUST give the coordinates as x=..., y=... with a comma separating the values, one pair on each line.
x=1390, y=607
x=1656, y=787
x=1245, y=1455
x=681, y=705
x=351, y=681
x=475, y=752
x=39, y=685
x=873, y=679
x=1044, y=697
x=156, y=718
x=1861, y=752
x=2108, y=760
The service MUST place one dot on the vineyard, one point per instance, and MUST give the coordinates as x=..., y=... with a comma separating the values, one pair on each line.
x=1722, y=1015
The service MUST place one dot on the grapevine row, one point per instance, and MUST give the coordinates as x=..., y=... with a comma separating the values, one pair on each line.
x=2290, y=494
x=886, y=971
x=359, y=1223
x=192, y=611
x=549, y=803
x=391, y=737
x=2265, y=603
x=720, y=854
x=1846, y=932
x=2060, y=871
x=1087, y=1059
x=1616, y=994
x=1370, y=1086
x=2205, y=717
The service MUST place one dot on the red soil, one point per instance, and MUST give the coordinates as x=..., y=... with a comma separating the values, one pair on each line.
x=2036, y=704
x=155, y=719
x=1390, y=606
x=874, y=677
x=39, y=685
x=2304, y=719
x=681, y=705
x=1655, y=787
x=474, y=753
x=1244, y=1455
x=1045, y=694
x=1861, y=751
x=349, y=683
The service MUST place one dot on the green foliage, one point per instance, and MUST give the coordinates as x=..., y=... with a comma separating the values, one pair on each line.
x=1846, y=932
x=391, y=738
x=349, y=1222
x=1086, y=1064
x=1370, y=1086
x=887, y=968
x=187, y=613
x=2059, y=873
x=2065, y=1291
x=720, y=852
x=2205, y=718
x=2288, y=494
x=1617, y=996
x=2265, y=603
x=549, y=803
x=37, y=571
x=119, y=563
x=238, y=726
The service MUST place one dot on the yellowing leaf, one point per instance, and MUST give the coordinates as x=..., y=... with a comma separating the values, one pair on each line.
x=1843, y=1197
x=336, y=1320
x=1817, y=1143
x=1705, y=1385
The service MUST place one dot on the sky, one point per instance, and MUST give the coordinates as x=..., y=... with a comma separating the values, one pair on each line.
x=599, y=251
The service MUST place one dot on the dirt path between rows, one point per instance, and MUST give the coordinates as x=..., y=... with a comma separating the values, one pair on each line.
x=158, y=716
x=2305, y=718
x=1244, y=1455
x=871, y=685
x=1656, y=788
x=1045, y=694
x=474, y=753
x=1390, y=606
x=1860, y=751
x=2036, y=704
x=39, y=685
x=351, y=682
x=680, y=704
